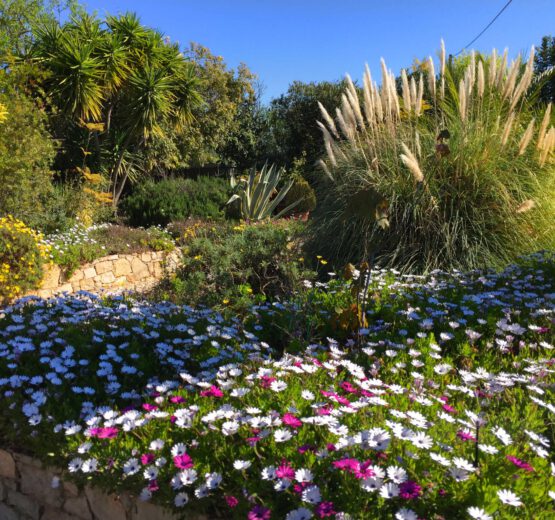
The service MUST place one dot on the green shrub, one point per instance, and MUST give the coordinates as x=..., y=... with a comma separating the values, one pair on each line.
x=301, y=190
x=121, y=239
x=21, y=258
x=234, y=266
x=26, y=153
x=158, y=203
x=466, y=171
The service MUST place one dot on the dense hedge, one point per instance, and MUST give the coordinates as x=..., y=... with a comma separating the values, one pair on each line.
x=158, y=203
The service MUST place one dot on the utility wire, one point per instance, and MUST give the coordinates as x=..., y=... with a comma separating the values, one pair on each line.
x=486, y=27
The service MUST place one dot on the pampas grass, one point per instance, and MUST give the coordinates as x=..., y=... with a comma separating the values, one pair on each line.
x=455, y=200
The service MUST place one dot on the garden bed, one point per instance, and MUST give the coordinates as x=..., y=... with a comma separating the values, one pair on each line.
x=443, y=410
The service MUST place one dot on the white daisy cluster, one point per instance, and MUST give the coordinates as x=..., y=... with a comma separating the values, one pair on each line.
x=447, y=408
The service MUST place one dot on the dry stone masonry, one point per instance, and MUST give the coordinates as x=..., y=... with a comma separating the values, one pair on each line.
x=115, y=273
x=31, y=491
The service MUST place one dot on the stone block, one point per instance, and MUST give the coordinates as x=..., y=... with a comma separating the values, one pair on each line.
x=44, y=293
x=66, y=287
x=104, y=506
x=138, y=266
x=38, y=483
x=121, y=281
x=157, y=269
x=110, y=257
x=122, y=267
x=87, y=284
x=89, y=272
x=24, y=504
x=29, y=461
x=53, y=513
x=103, y=266
x=5, y=486
x=51, y=277
x=107, y=278
x=146, y=257
x=79, y=507
x=7, y=513
x=7, y=465
x=70, y=489
x=76, y=276
x=147, y=511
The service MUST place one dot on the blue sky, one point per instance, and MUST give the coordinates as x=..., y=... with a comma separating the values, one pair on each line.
x=314, y=40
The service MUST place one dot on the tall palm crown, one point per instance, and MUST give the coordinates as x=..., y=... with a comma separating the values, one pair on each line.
x=122, y=79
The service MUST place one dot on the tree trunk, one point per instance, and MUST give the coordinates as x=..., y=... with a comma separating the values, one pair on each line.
x=117, y=190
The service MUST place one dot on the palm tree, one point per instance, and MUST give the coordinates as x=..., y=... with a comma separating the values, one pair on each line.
x=120, y=81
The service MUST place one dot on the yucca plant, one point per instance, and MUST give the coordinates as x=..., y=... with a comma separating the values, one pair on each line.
x=259, y=195
x=462, y=159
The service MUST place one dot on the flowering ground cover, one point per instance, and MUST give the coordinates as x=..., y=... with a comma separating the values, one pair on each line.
x=81, y=244
x=443, y=410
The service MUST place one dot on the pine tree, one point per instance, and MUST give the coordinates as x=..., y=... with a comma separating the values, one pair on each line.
x=545, y=59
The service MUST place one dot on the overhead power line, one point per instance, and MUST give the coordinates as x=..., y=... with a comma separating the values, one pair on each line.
x=486, y=27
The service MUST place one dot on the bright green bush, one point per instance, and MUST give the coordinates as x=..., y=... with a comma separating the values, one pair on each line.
x=26, y=153
x=22, y=255
x=464, y=165
x=234, y=266
x=158, y=203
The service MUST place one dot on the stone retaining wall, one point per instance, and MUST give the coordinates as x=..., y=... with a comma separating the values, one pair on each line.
x=115, y=273
x=27, y=493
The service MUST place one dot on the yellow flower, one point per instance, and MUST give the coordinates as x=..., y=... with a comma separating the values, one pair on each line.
x=225, y=301
x=323, y=262
x=3, y=113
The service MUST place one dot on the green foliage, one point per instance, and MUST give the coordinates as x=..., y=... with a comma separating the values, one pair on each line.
x=21, y=258
x=17, y=18
x=115, y=239
x=158, y=203
x=464, y=178
x=233, y=267
x=544, y=65
x=303, y=192
x=26, y=153
x=224, y=129
x=292, y=119
x=118, y=85
x=259, y=194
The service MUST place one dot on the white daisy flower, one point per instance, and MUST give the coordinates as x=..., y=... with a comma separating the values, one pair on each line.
x=508, y=497
x=478, y=514
x=389, y=490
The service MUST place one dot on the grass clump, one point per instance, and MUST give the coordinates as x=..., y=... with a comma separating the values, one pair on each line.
x=461, y=160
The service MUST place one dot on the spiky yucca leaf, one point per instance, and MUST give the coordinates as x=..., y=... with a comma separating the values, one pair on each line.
x=259, y=195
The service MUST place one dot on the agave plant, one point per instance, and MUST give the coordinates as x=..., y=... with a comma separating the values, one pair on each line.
x=259, y=194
